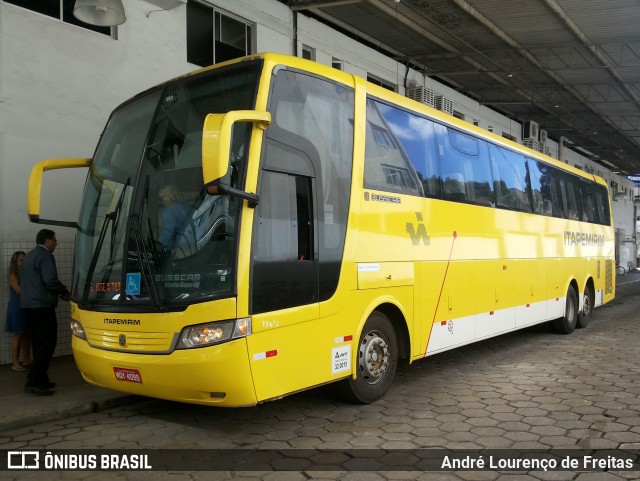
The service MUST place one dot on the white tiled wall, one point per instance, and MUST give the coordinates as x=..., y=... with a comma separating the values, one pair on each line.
x=64, y=262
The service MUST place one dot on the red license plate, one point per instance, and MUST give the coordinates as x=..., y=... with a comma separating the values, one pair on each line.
x=129, y=375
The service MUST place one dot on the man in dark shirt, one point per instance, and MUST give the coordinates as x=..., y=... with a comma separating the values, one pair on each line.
x=39, y=298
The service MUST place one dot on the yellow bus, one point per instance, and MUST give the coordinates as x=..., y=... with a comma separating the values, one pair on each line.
x=270, y=224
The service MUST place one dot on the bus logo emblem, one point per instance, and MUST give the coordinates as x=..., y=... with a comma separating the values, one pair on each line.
x=418, y=232
x=122, y=340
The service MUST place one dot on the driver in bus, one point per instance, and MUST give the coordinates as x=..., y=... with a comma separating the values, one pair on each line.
x=174, y=217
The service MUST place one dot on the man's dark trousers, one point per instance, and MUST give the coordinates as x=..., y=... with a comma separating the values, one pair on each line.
x=43, y=327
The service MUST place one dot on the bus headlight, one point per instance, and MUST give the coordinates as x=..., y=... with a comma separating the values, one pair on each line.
x=77, y=330
x=213, y=333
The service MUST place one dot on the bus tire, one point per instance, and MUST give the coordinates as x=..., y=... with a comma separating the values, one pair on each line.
x=567, y=323
x=377, y=361
x=588, y=300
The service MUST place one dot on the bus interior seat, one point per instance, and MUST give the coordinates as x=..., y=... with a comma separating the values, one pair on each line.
x=453, y=188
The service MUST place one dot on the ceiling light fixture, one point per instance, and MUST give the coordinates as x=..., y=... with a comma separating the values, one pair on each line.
x=103, y=13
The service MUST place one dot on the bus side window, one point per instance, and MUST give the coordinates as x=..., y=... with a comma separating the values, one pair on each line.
x=453, y=187
x=540, y=195
x=465, y=167
x=559, y=195
x=602, y=202
x=588, y=202
x=511, y=179
x=573, y=203
x=387, y=165
x=415, y=137
x=542, y=188
x=575, y=192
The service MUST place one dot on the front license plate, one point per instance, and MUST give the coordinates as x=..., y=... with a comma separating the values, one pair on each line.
x=129, y=375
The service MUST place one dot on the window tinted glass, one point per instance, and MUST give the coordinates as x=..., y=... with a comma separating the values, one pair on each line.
x=602, y=204
x=540, y=183
x=213, y=37
x=310, y=137
x=387, y=165
x=570, y=196
x=410, y=154
x=464, y=166
x=590, y=210
x=199, y=34
x=412, y=137
x=51, y=8
x=511, y=179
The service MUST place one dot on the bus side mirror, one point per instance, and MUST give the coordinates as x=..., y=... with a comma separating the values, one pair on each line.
x=216, y=140
x=35, y=187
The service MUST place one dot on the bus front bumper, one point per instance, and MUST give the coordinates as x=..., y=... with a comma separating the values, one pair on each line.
x=217, y=375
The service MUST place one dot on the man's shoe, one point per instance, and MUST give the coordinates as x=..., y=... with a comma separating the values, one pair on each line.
x=41, y=391
x=51, y=385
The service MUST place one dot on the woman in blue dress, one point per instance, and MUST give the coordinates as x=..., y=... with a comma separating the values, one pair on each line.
x=16, y=322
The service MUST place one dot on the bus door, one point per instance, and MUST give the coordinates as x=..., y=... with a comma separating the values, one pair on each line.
x=284, y=275
x=299, y=232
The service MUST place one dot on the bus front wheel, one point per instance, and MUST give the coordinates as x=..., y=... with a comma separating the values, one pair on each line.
x=377, y=361
x=567, y=323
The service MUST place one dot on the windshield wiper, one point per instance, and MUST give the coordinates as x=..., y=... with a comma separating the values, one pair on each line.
x=143, y=258
x=145, y=213
x=111, y=217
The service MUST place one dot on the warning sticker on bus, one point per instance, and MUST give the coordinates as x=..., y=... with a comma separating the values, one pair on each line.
x=341, y=359
x=130, y=375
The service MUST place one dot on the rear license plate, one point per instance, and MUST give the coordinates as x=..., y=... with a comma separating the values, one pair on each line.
x=129, y=375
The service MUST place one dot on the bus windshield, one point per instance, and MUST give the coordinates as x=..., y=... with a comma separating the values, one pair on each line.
x=149, y=234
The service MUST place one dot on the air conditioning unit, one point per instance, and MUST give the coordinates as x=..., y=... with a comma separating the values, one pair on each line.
x=423, y=95
x=532, y=144
x=543, y=136
x=444, y=104
x=166, y=4
x=530, y=130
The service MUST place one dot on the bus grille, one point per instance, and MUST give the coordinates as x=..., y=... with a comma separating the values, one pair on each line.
x=127, y=341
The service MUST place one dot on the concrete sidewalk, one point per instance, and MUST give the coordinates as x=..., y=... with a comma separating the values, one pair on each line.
x=73, y=396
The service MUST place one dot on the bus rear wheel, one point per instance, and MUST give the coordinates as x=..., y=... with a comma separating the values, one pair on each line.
x=567, y=323
x=588, y=300
x=377, y=361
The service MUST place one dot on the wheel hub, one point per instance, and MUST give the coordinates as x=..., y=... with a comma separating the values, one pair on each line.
x=587, y=307
x=373, y=357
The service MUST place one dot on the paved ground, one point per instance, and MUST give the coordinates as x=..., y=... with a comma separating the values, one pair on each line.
x=525, y=390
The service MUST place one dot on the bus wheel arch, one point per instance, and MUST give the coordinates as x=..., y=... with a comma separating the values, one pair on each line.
x=567, y=323
x=588, y=304
x=382, y=341
x=399, y=322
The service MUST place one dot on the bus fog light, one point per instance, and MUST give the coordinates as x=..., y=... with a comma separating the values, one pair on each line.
x=77, y=330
